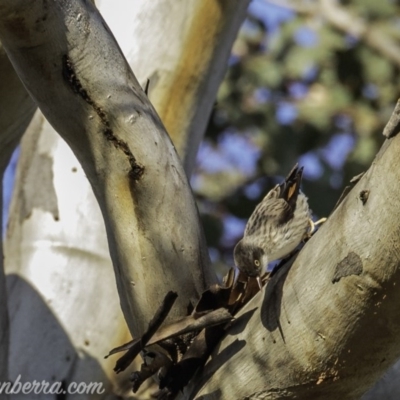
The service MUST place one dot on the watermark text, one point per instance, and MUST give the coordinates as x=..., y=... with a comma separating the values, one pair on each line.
x=58, y=387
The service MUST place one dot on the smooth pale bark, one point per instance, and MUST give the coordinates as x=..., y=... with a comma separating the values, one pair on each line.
x=16, y=109
x=94, y=101
x=333, y=323
x=44, y=268
x=63, y=303
x=183, y=49
x=62, y=300
x=331, y=327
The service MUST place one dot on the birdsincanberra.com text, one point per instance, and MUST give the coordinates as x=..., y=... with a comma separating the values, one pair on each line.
x=57, y=388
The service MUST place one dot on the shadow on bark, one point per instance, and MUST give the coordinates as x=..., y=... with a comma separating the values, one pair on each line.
x=272, y=302
x=53, y=358
x=218, y=361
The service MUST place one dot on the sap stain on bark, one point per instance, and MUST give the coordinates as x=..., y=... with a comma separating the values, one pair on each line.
x=73, y=81
x=350, y=265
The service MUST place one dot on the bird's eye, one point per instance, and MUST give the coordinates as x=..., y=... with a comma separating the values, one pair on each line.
x=257, y=263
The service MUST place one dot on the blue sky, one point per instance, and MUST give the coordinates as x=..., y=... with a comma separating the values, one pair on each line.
x=8, y=182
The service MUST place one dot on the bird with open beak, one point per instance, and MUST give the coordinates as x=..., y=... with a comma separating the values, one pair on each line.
x=276, y=227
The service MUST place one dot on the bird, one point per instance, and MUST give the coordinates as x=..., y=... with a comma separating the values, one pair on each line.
x=276, y=227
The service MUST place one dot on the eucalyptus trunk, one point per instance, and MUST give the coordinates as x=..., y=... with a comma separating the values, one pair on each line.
x=62, y=298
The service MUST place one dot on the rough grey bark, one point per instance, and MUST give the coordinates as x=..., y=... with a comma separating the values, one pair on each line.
x=16, y=110
x=94, y=101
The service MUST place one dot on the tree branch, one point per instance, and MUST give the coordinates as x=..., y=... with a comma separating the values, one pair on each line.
x=393, y=126
x=94, y=101
x=331, y=327
x=57, y=215
x=60, y=277
x=185, y=75
x=345, y=21
x=17, y=109
x=349, y=23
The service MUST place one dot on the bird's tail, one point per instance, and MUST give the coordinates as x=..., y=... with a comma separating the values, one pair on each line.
x=290, y=188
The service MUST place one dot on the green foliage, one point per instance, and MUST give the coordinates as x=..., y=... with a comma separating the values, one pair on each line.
x=294, y=93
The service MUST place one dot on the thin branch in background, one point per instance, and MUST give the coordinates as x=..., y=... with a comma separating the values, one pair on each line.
x=393, y=126
x=344, y=20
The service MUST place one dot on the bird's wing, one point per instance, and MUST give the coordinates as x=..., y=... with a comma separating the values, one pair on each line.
x=279, y=204
x=271, y=211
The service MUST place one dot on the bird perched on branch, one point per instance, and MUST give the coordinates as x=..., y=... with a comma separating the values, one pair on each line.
x=276, y=227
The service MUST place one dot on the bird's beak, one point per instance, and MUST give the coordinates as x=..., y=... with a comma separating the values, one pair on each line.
x=259, y=282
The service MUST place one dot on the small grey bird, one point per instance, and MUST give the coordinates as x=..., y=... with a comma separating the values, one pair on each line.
x=276, y=227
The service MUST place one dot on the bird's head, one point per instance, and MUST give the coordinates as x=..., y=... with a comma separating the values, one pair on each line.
x=250, y=259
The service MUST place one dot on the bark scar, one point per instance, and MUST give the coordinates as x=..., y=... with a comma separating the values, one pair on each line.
x=73, y=81
x=350, y=265
x=364, y=194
